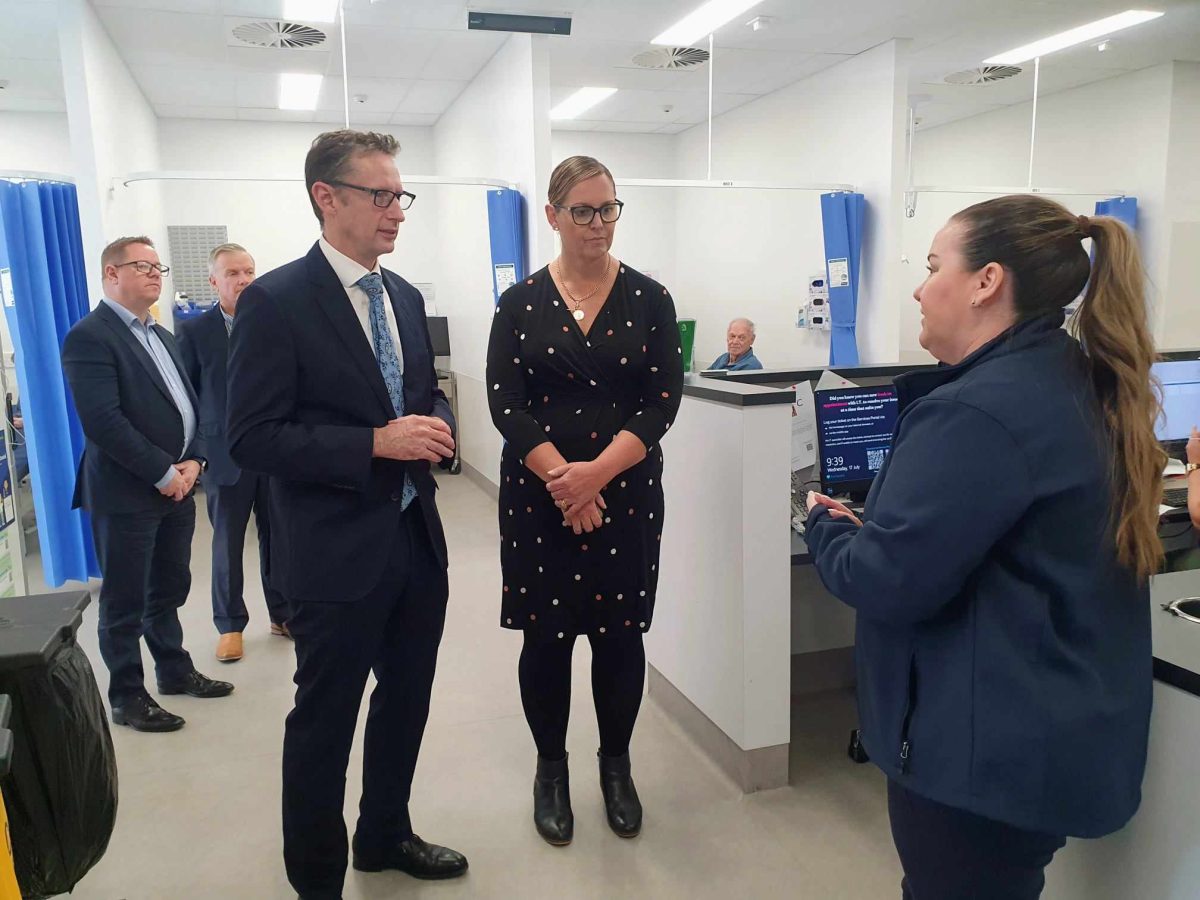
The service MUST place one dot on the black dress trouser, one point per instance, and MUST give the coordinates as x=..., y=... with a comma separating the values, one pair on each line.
x=952, y=854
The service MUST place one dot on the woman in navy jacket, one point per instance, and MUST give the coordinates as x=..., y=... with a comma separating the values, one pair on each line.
x=1001, y=573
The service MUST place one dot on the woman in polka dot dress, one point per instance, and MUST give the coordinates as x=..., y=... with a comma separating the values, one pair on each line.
x=584, y=377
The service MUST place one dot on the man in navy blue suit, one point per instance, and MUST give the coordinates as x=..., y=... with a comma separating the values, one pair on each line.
x=139, y=466
x=230, y=492
x=332, y=392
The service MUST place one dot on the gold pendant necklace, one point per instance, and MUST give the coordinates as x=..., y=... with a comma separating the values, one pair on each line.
x=579, y=315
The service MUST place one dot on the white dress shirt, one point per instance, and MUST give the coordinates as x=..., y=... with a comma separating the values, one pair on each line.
x=349, y=272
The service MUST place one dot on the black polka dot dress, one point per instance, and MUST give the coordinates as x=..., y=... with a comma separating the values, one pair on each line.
x=547, y=381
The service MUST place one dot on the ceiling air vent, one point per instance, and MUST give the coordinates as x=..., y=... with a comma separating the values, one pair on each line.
x=274, y=34
x=671, y=58
x=982, y=75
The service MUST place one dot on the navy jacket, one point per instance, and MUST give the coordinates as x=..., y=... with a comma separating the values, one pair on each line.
x=1004, y=658
x=304, y=397
x=133, y=429
x=204, y=348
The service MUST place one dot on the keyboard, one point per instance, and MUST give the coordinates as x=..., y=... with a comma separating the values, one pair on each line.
x=1175, y=497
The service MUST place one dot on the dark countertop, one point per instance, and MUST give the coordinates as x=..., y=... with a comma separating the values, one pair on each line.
x=1176, y=640
x=734, y=393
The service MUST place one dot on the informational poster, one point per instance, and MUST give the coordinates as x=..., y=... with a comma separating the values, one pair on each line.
x=6, y=287
x=804, y=428
x=506, y=277
x=839, y=273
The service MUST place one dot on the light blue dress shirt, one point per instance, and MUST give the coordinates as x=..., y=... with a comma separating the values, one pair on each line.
x=228, y=321
x=153, y=345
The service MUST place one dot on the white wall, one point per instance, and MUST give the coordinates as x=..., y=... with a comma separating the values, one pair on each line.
x=1181, y=221
x=751, y=252
x=645, y=236
x=273, y=219
x=1129, y=153
x=499, y=127
x=35, y=141
x=113, y=131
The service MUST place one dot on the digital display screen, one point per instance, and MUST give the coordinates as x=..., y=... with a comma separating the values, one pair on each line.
x=1181, y=398
x=854, y=432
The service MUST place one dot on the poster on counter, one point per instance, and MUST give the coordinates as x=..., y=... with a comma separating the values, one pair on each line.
x=804, y=428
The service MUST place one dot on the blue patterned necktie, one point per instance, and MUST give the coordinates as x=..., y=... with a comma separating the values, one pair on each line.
x=389, y=362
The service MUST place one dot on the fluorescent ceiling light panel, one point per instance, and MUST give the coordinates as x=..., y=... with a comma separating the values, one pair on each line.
x=703, y=22
x=299, y=91
x=1079, y=35
x=580, y=102
x=311, y=10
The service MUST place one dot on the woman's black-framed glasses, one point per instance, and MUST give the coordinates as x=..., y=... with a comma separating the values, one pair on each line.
x=383, y=198
x=583, y=215
x=144, y=267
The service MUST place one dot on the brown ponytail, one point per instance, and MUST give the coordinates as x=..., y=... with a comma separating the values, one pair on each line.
x=1037, y=241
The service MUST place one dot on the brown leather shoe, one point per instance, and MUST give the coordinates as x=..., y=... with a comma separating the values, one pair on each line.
x=229, y=647
x=280, y=629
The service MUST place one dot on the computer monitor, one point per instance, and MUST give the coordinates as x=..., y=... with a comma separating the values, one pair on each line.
x=854, y=436
x=439, y=334
x=1181, y=399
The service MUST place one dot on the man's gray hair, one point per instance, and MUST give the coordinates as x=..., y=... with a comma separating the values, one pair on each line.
x=216, y=252
x=749, y=324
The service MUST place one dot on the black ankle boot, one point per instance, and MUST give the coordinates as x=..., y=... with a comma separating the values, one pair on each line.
x=552, y=802
x=620, y=796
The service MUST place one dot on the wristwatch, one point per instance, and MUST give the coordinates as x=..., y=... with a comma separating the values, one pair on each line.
x=1190, y=468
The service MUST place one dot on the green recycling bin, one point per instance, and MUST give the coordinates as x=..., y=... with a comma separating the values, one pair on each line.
x=687, y=339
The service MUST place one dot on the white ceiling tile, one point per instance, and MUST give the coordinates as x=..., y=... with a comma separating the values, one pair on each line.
x=199, y=6
x=186, y=85
x=382, y=95
x=25, y=104
x=422, y=120
x=358, y=118
x=385, y=52
x=172, y=111
x=30, y=31
x=157, y=38
x=274, y=115
x=257, y=90
x=440, y=15
x=458, y=56
x=252, y=59
x=431, y=96
x=32, y=80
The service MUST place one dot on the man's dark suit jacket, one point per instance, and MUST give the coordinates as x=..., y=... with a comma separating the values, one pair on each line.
x=204, y=346
x=305, y=393
x=134, y=430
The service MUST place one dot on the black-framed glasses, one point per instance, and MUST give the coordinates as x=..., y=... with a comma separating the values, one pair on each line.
x=583, y=215
x=143, y=267
x=383, y=198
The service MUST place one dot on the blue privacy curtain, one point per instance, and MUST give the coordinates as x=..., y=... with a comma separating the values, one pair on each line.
x=1123, y=208
x=41, y=246
x=842, y=219
x=506, y=226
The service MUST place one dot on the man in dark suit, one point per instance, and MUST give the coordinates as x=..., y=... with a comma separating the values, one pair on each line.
x=136, y=477
x=332, y=392
x=230, y=492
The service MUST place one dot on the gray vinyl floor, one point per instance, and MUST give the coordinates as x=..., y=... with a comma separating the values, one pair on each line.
x=199, y=809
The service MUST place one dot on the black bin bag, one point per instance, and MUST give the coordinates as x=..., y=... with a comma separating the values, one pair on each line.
x=61, y=791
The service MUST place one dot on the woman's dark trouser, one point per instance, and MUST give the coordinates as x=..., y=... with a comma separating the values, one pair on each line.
x=952, y=854
x=618, y=675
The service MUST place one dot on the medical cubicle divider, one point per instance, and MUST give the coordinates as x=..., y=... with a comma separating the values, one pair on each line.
x=842, y=220
x=45, y=293
x=506, y=227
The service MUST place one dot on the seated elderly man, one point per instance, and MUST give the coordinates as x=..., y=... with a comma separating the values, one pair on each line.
x=740, y=341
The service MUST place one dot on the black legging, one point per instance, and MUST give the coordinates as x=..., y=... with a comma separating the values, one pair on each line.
x=618, y=673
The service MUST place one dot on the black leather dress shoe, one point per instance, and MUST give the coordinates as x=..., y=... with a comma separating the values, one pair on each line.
x=621, y=801
x=413, y=857
x=142, y=714
x=552, y=814
x=197, y=685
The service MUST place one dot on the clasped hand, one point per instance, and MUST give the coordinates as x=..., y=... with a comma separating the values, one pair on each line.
x=837, y=509
x=184, y=480
x=414, y=437
x=575, y=488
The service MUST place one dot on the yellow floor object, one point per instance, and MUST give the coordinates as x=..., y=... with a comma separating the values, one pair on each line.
x=8, y=876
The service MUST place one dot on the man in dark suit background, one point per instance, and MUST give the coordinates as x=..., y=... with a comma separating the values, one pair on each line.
x=231, y=493
x=136, y=477
x=332, y=392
